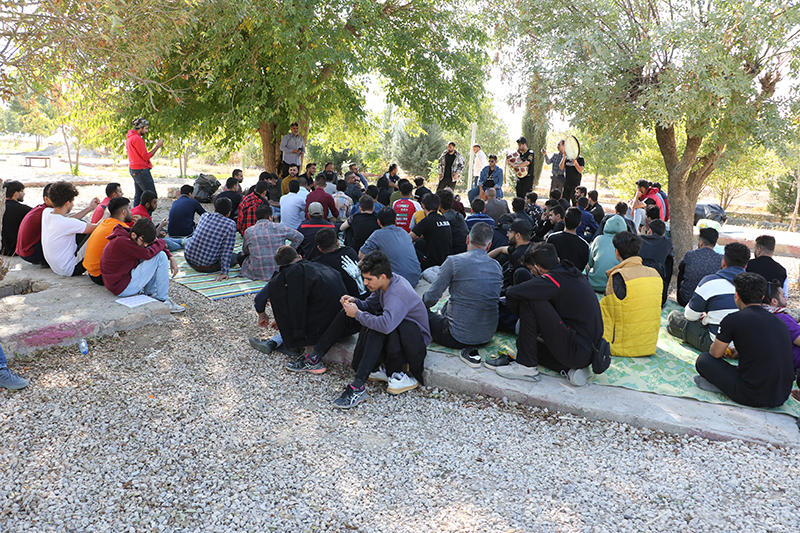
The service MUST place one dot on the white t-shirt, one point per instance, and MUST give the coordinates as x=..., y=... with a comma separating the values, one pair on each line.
x=293, y=209
x=480, y=162
x=58, y=241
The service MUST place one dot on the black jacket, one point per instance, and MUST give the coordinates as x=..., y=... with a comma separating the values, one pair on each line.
x=571, y=295
x=305, y=300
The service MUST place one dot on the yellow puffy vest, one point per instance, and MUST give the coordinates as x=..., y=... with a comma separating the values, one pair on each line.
x=631, y=325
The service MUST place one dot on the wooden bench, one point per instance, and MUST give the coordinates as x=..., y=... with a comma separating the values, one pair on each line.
x=30, y=158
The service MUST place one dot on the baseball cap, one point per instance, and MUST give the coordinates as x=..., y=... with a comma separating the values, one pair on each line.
x=315, y=209
x=522, y=226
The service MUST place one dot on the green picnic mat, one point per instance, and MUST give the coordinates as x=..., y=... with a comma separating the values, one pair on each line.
x=670, y=372
x=204, y=283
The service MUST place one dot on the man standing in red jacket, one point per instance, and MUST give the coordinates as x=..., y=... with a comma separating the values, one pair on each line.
x=139, y=158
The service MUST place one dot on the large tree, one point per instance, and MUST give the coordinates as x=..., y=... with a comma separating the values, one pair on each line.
x=258, y=66
x=709, y=67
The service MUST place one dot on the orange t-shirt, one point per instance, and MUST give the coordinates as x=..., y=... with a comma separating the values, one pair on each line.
x=96, y=244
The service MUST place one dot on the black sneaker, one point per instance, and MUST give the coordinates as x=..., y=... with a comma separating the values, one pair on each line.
x=304, y=364
x=350, y=397
x=267, y=346
x=502, y=359
x=291, y=352
x=471, y=357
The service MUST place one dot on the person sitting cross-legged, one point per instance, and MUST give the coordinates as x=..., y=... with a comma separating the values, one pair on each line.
x=135, y=262
x=432, y=236
x=261, y=241
x=473, y=280
x=764, y=375
x=763, y=263
x=603, y=255
x=119, y=209
x=569, y=245
x=14, y=215
x=392, y=322
x=396, y=244
x=478, y=214
x=713, y=300
x=775, y=302
x=343, y=259
x=305, y=300
x=559, y=316
x=697, y=264
x=182, y=212
x=632, y=304
x=210, y=249
x=657, y=252
x=309, y=228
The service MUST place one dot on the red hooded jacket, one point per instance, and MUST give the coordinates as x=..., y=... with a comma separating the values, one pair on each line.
x=122, y=255
x=138, y=156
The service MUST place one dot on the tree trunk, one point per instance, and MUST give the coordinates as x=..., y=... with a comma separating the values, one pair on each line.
x=66, y=143
x=77, y=158
x=596, y=177
x=796, y=198
x=270, y=147
x=186, y=162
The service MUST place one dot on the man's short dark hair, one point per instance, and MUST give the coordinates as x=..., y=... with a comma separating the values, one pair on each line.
x=736, y=254
x=261, y=187
x=446, y=198
x=223, y=205
x=294, y=186
x=532, y=197
x=581, y=190
x=148, y=196
x=431, y=202
x=284, y=255
x=478, y=205
x=349, y=173
x=492, y=157
x=341, y=185
x=326, y=238
x=145, y=229
x=231, y=184
x=657, y=185
x=518, y=205
x=387, y=216
x=111, y=188
x=406, y=188
x=302, y=181
x=658, y=226
x=117, y=204
x=767, y=242
x=293, y=124
x=62, y=192
x=750, y=287
x=14, y=186
x=187, y=189
x=643, y=183
x=46, y=191
x=351, y=165
x=709, y=236
x=583, y=202
x=573, y=217
x=627, y=244
x=373, y=191
x=376, y=264
x=236, y=171
x=392, y=166
x=320, y=181
x=550, y=203
x=652, y=212
x=522, y=140
x=311, y=165
x=773, y=290
x=559, y=210
x=555, y=194
x=592, y=195
x=263, y=212
x=419, y=181
x=481, y=235
x=542, y=254
x=621, y=208
x=366, y=203
x=295, y=165
x=383, y=182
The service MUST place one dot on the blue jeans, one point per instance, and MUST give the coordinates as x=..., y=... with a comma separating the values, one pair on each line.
x=151, y=277
x=475, y=192
x=142, y=181
x=173, y=245
x=3, y=363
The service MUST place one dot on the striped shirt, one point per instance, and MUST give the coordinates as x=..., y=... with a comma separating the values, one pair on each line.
x=212, y=242
x=714, y=296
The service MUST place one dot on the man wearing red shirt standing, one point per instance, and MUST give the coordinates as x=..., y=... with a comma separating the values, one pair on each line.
x=139, y=158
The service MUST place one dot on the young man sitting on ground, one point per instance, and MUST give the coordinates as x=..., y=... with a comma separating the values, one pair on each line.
x=391, y=321
x=396, y=244
x=657, y=252
x=763, y=263
x=632, y=304
x=343, y=259
x=210, y=249
x=323, y=198
x=63, y=237
x=29, y=236
x=113, y=190
x=406, y=206
x=697, y=264
x=120, y=213
x=309, y=228
x=433, y=239
x=146, y=209
x=588, y=226
x=358, y=227
x=569, y=245
x=764, y=375
x=232, y=194
x=261, y=242
x=181, y=214
x=473, y=280
x=478, y=214
x=458, y=226
x=775, y=302
x=13, y=217
x=713, y=300
x=305, y=300
x=246, y=216
x=135, y=262
x=559, y=317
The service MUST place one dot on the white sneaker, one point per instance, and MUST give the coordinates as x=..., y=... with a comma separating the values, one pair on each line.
x=379, y=375
x=578, y=376
x=514, y=370
x=173, y=307
x=400, y=382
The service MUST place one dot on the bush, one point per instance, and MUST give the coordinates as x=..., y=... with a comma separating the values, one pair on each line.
x=782, y=195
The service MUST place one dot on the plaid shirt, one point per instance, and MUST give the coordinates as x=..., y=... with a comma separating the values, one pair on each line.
x=211, y=242
x=247, y=211
x=343, y=203
x=261, y=241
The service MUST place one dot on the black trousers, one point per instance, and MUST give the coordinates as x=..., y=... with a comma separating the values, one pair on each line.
x=236, y=259
x=560, y=350
x=569, y=191
x=725, y=377
x=440, y=331
x=524, y=186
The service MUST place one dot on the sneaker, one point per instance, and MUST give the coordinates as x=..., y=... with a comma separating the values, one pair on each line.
x=11, y=380
x=502, y=359
x=577, y=376
x=304, y=364
x=173, y=307
x=379, y=375
x=268, y=346
x=514, y=370
x=350, y=397
x=291, y=352
x=471, y=357
x=703, y=384
x=401, y=382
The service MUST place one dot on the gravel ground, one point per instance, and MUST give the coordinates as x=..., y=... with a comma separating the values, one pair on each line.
x=189, y=429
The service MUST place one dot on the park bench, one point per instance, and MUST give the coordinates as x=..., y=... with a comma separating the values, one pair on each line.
x=30, y=158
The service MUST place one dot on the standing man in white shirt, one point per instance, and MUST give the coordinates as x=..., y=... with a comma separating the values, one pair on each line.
x=480, y=162
x=293, y=146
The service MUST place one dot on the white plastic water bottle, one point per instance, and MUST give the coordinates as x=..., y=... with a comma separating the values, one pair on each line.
x=84, y=346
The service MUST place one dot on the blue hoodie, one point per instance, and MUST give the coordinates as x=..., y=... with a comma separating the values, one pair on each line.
x=602, y=256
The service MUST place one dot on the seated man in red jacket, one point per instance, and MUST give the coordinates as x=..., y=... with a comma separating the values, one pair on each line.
x=135, y=262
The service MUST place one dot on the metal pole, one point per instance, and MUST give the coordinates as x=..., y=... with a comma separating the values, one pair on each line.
x=470, y=183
